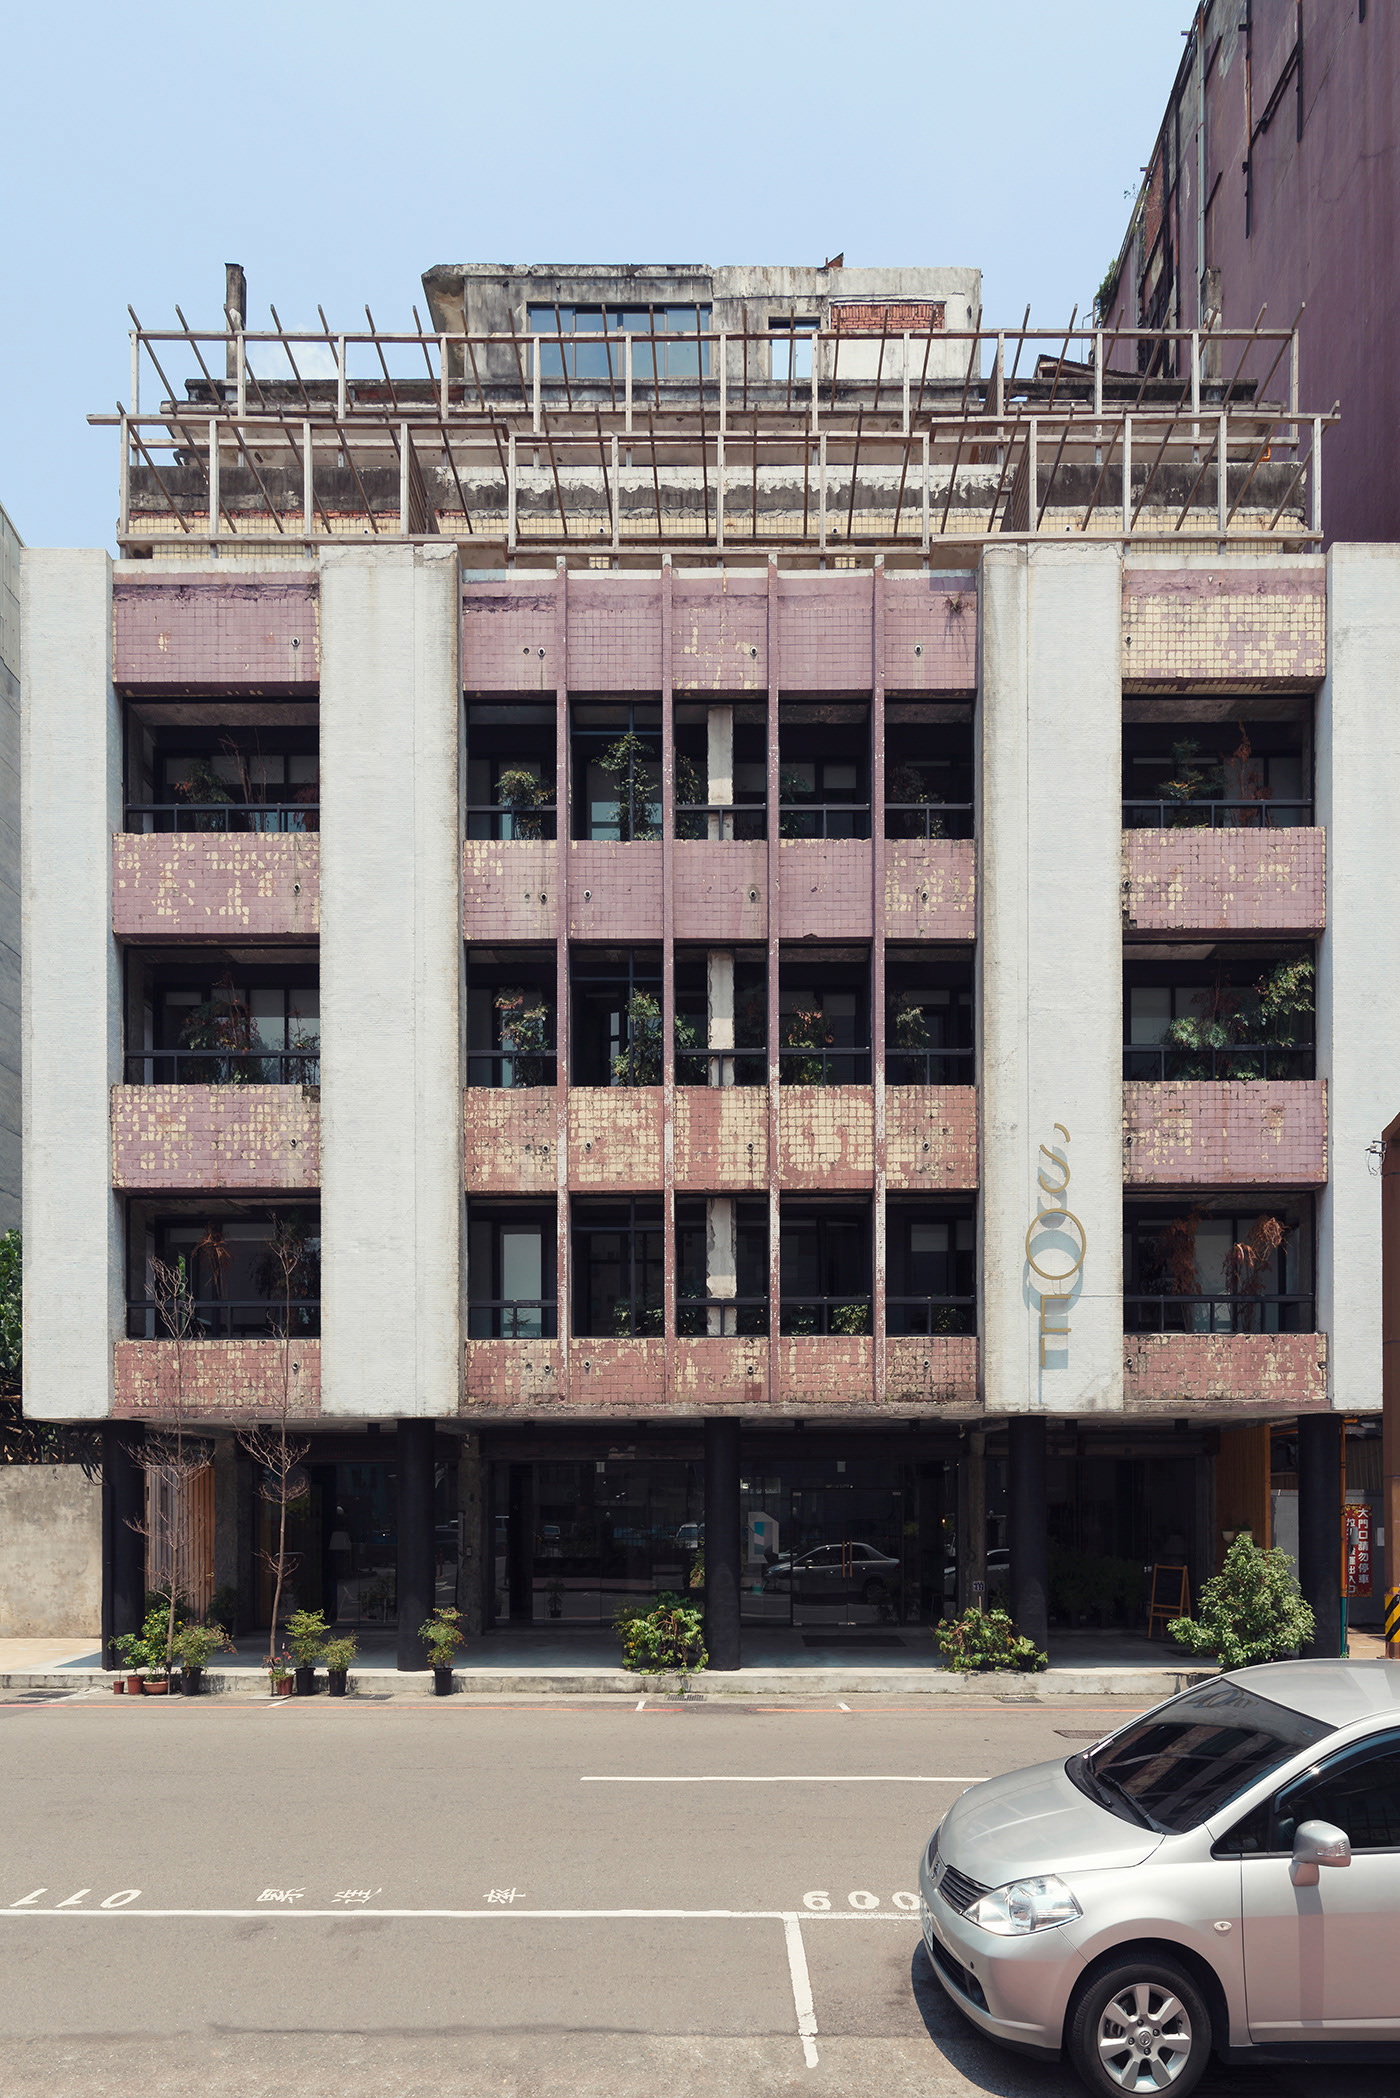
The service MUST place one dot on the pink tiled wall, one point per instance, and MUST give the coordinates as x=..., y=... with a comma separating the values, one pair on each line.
x=721, y=891
x=1225, y=880
x=930, y=1137
x=253, y=633
x=1228, y=627
x=721, y=1138
x=720, y=634
x=502, y=1374
x=825, y=1371
x=208, y=886
x=1261, y=1372
x=824, y=889
x=826, y=1136
x=614, y=891
x=935, y=615
x=614, y=633
x=509, y=891
x=826, y=633
x=215, y=1136
x=608, y=1376
x=1224, y=1134
x=940, y=1370
x=233, y=1380
x=510, y=1140
x=615, y=1138
x=714, y=1375
x=508, y=637
x=930, y=889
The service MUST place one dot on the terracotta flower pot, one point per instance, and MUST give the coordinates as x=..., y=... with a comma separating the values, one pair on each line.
x=134, y=1686
x=282, y=1686
x=119, y=1687
x=159, y=1689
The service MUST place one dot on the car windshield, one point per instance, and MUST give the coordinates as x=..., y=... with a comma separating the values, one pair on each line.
x=1179, y=1765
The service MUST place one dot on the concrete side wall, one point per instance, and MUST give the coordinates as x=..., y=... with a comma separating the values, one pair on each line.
x=1358, y=791
x=391, y=975
x=1050, y=977
x=73, y=1281
x=10, y=913
x=50, y=1552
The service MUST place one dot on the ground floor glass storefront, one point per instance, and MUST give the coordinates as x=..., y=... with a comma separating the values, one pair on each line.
x=342, y=1540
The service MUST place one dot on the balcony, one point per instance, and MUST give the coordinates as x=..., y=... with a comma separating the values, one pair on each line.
x=216, y=886
x=1256, y=1372
x=940, y=1370
x=220, y=1380
x=195, y=1137
x=1260, y=880
x=1219, y=1134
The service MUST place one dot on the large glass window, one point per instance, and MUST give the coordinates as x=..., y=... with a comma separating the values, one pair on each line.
x=721, y=1265
x=928, y=1017
x=674, y=354
x=825, y=1256
x=619, y=1265
x=1247, y=766
x=617, y=770
x=1226, y=1015
x=211, y=1271
x=511, y=1266
x=824, y=1015
x=616, y=1015
x=1218, y=1271
x=220, y=778
x=510, y=1016
x=230, y=1026
x=511, y=789
x=931, y=1268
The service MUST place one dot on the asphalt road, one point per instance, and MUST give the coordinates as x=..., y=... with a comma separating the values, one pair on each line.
x=509, y=1898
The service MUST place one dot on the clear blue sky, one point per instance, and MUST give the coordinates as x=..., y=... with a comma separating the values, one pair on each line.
x=338, y=150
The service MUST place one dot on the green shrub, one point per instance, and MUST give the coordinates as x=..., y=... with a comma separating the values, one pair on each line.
x=851, y=1318
x=442, y=1635
x=663, y=1636
x=982, y=1639
x=306, y=1635
x=338, y=1653
x=194, y=1643
x=1252, y=1610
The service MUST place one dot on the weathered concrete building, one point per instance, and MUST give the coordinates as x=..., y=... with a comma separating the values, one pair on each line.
x=782, y=896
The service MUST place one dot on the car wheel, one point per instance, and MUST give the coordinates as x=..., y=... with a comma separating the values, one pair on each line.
x=1141, y=2025
x=873, y=1591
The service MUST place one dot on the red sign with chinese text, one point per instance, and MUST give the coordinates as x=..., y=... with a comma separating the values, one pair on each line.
x=1358, y=1549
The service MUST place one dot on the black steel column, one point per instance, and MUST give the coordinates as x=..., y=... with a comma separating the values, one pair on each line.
x=414, y=1459
x=1320, y=1528
x=722, y=1543
x=123, y=1547
x=1026, y=1525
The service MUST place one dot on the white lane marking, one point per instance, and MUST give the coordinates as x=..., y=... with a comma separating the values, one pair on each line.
x=843, y=1708
x=768, y=1779
x=501, y=1915
x=641, y=1704
x=801, y=1988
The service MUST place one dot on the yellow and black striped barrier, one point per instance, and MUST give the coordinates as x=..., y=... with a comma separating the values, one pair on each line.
x=1392, y=1615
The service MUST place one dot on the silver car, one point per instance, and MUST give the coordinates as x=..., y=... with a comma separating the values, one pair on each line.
x=1221, y=1875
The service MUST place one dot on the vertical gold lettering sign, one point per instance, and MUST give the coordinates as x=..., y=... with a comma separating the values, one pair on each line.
x=1052, y=1236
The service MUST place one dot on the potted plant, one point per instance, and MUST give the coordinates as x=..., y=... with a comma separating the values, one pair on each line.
x=279, y=1674
x=442, y=1636
x=667, y=1635
x=337, y=1655
x=130, y=1650
x=194, y=1643
x=306, y=1634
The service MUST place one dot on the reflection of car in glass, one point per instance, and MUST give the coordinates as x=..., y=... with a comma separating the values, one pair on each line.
x=832, y=1570
x=998, y=1574
x=690, y=1536
x=1159, y=1896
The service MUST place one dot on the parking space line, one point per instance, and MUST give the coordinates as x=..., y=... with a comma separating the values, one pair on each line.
x=769, y=1778
x=801, y=1988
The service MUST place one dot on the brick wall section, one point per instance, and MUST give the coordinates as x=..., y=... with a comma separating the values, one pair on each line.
x=216, y=633
x=1225, y=880
x=208, y=886
x=721, y=891
x=826, y=1136
x=824, y=889
x=937, y=1370
x=826, y=630
x=615, y=1138
x=221, y=1380
x=508, y=637
x=721, y=1138
x=614, y=891
x=509, y=891
x=1264, y=1372
x=510, y=1140
x=1234, y=628
x=720, y=631
x=215, y=1136
x=930, y=1138
x=614, y=633
x=931, y=889
x=936, y=614
x=1223, y=1134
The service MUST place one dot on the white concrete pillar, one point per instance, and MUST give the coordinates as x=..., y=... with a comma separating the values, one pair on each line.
x=1357, y=794
x=74, y=1287
x=392, y=962
x=719, y=1007
x=721, y=1260
x=1050, y=978
x=719, y=768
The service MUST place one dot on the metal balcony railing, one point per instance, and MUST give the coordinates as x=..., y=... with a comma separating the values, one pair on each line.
x=721, y=1317
x=1215, y=815
x=223, y=1067
x=514, y=1069
x=930, y=1315
x=1219, y=1314
x=227, y=1318
x=489, y=823
x=824, y=819
x=268, y=816
x=722, y=822
x=1171, y=1061
x=824, y=1066
x=842, y=1316
x=929, y=819
x=711, y=1067
x=512, y=1318
x=929, y=1066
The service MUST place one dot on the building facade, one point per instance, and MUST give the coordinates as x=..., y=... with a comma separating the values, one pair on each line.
x=823, y=1048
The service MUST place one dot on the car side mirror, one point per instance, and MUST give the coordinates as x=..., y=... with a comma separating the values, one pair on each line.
x=1317, y=1843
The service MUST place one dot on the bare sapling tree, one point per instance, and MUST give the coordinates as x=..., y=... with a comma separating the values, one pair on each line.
x=269, y=1445
x=171, y=1457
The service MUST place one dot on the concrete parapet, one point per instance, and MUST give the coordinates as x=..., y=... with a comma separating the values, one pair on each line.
x=721, y=891
x=1238, y=626
x=232, y=1380
x=215, y=1136
x=1225, y=1133
x=513, y=1373
x=217, y=633
x=938, y=1370
x=721, y=1138
x=824, y=889
x=1248, y=1372
x=614, y=891
x=1225, y=880
x=826, y=1136
x=825, y=1370
x=510, y=890
x=510, y=1139
x=930, y=1137
x=931, y=889
x=212, y=885
x=615, y=1138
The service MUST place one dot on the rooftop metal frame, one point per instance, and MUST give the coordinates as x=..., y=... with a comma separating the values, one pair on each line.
x=525, y=459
